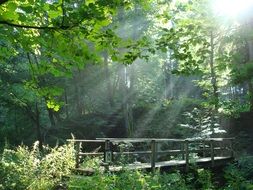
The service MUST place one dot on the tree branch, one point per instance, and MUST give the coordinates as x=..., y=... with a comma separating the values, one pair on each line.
x=36, y=27
x=3, y=1
x=63, y=13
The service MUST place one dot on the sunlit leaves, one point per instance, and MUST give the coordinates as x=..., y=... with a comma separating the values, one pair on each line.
x=89, y=2
x=52, y=105
x=202, y=123
x=233, y=108
x=7, y=11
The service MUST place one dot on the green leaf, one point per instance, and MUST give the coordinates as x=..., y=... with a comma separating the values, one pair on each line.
x=87, y=2
x=54, y=14
x=46, y=7
x=11, y=6
x=56, y=108
x=54, y=60
x=22, y=17
x=9, y=15
x=27, y=9
x=164, y=49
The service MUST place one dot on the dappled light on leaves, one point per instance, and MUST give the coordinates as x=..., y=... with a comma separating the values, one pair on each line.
x=174, y=69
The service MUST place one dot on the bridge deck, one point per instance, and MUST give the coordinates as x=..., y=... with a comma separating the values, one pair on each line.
x=165, y=165
x=169, y=164
x=210, y=153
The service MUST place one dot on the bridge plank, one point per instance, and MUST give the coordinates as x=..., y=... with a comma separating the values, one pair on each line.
x=146, y=166
x=171, y=163
x=211, y=149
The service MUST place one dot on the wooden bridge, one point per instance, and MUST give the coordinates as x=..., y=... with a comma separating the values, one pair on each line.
x=115, y=154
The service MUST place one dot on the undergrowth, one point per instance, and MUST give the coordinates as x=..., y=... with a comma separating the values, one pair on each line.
x=30, y=169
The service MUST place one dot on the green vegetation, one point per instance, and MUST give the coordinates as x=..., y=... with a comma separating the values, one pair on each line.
x=25, y=168
x=122, y=68
x=91, y=69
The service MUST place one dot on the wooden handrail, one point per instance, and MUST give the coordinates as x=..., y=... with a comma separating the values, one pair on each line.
x=91, y=153
x=207, y=147
x=84, y=140
x=161, y=140
x=170, y=152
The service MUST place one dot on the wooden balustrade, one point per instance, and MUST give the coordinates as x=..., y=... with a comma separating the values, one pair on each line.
x=209, y=148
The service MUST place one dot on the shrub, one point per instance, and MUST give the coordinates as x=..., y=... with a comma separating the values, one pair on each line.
x=134, y=180
x=239, y=175
x=30, y=169
x=204, y=179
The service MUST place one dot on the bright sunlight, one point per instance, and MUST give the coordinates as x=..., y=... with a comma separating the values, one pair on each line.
x=232, y=8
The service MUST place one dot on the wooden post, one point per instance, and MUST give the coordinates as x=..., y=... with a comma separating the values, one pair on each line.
x=183, y=151
x=186, y=144
x=78, y=147
x=231, y=148
x=204, y=149
x=221, y=146
x=107, y=155
x=212, y=152
x=153, y=154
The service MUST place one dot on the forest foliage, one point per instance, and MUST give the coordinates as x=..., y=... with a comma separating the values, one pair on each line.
x=92, y=69
x=121, y=68
x=25, y=168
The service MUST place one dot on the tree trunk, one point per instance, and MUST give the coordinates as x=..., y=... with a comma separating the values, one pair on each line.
x=127, y=95
x=108, y=81
x=79, y=106
x=125, y=84
x=16, y=126
x=66, y=103
x=131, y=96
x=213, y=74
x=250, y=60
x=168, y=91
x=51, y=117
x=38, y=127
x=124, y=91
x=214, y=84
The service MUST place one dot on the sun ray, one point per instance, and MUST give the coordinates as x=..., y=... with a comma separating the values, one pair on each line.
x=232, y=8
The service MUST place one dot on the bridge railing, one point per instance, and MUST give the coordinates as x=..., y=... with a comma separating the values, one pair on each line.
x=179, y=149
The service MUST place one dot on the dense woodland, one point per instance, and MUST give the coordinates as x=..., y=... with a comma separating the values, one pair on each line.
x=123, y=68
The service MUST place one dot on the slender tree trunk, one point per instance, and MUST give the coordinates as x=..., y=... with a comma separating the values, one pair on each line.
x=213, y=74
x=16, y=125
x=124, y=91
x=127, y=93
x=168, y=66
x=38, y=126
x=79, y=106
x=131, y=96
x=35, y=117
x=250, y=60
x=214, y=84
x=168, y=91
x=124, y=85
x=166, y=81
x=108, y=81
x=51, y=117
x=250, y=86
x=66, y=103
